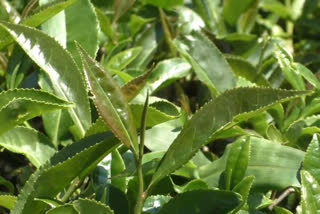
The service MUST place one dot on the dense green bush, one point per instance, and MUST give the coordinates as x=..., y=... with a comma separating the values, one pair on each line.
x=159, y=106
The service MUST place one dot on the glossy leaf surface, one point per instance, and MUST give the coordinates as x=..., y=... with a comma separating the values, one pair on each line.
x=122, y=59
x=36, y=19
x=29, y=142
x=17, y=106
x=310, y=193
x=60, y=67
x=212, y=69
x=110, y=102
x=312, y=158
x=232, y=106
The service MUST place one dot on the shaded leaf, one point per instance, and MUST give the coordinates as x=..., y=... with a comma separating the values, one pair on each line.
x=244, y=187
x=166, y=4
x=202, y=201
x=245, y=69
x=148, y=41
x=76, y=160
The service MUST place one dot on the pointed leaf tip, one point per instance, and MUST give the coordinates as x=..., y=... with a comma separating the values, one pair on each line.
x=110, y=102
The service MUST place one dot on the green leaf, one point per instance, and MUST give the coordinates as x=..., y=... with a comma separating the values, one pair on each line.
x=105, y=23
x=310, y=193
x=158, y=112
x=281, y=210
x=189, y=20
x=56, y=123
x=118, y=168
x=311, y=161
x=237, y=162
x=19, y=105
x=120, y=61
x=134, y=86
x=195, y=184
x=276, y=7
x=211, y=14
x=160, y=137
x=110, y=102
x=14, y=16
x=154, y=203
x=212, y=69
x=202, y=201
x=87, y=24
x=286, y=63
x=85, y=206
x=245, y=69
x=29, y=142
x=248, y=18
x=55, y=26
x=244, y=187
x=59, y=66
x=8, y=201
x=267, y=159
x=148, y=41
x=73, y=161
x=224, y=111
x=64, y=209
x=44, y=13
x=8, y=185
x=232, y=9
x=307, y=74
x=164, y=73
x=165, y=4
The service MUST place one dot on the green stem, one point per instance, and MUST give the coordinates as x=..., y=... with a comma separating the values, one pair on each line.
x=141, y=194
x=167, y=33
x=75, y=184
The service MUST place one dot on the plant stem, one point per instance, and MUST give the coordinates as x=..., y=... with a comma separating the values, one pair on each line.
x=141, y=194
x=75, y=184
x=281, y=197
x=167, y=33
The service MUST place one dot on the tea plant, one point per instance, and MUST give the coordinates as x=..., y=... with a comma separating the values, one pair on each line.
x=155, y=106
